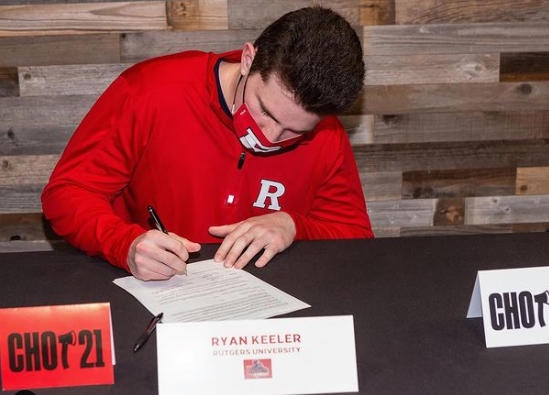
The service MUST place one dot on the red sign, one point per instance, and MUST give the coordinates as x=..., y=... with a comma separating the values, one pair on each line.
x=56, y=346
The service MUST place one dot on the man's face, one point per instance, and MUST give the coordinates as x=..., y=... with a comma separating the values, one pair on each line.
x=274, y=110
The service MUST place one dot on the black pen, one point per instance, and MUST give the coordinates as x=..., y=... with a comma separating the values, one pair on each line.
x=159, y=224
x=156, y=219
x=145, y=336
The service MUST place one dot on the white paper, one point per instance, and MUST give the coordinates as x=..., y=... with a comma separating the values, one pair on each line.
x=211, y=292
x=310, y=355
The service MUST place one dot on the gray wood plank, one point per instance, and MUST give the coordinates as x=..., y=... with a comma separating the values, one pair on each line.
x=458, y=38
x=454, y=155
x=464, y=11
x=506, y=209
x=139, y=46
x=431, y=69
x=91, y=79
x=460, y=126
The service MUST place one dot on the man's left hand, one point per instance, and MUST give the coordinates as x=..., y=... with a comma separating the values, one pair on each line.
x=272, y=233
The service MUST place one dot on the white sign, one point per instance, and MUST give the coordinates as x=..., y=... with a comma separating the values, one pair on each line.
x=274, y=356
x=514, y=304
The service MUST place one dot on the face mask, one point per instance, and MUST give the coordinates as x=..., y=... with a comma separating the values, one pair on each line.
x=250, y=134
x=252, y=137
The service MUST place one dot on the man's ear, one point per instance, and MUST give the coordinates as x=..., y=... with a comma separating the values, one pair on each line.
x=248, y=55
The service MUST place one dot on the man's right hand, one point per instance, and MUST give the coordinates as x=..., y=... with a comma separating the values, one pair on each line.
x=157, y=256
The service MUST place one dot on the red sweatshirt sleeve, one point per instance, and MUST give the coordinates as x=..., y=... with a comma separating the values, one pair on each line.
x=339, y=208
x=93, y=170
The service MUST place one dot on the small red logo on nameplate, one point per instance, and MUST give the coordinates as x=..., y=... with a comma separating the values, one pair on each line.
x=257, y=369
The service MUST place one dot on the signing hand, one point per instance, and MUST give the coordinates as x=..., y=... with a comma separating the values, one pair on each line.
x=158, y=256
x=272, y=233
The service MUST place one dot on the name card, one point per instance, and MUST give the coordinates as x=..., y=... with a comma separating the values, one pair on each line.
x=274, y=356
x=513, y=304
x=56, y=346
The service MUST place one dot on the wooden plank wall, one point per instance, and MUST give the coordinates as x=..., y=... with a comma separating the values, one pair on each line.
x=451, y=135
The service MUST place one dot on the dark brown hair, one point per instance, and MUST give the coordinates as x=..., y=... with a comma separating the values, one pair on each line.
x=318, y=57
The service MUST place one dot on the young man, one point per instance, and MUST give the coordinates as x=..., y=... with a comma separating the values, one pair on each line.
x=241, y=148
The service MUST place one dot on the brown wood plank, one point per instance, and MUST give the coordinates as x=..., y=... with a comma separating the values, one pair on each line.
x=507, y=209
x=9, y=82
x=458, y=183
x=532, y=181
x=198, y=15
x=377, y=12
x=139, y=46
x=80, y=49
x=516, y=67
x=47, y=19
x=531, y=227
x=449, y=212
x=68, y=79
x=467, y=11
x=31, y=245
x=458, y=126
x=431, y=69
x=246, y=14
x=490, y=96
x=456, y=38
x=454, y=155
x=455, y=230
x=25, y=226
x=31, y=171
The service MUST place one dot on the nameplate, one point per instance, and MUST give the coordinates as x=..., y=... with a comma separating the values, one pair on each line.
x=56, y=346
x=274, y=356
x=513, y=304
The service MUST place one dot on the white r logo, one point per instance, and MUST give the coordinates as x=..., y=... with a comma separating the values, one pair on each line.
x=272, y=190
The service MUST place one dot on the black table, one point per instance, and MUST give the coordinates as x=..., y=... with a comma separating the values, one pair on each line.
x=409, y=298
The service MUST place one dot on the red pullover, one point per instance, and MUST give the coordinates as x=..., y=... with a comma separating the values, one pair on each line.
x=162, y=135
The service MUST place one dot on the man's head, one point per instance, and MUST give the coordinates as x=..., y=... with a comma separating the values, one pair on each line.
x=316, y=55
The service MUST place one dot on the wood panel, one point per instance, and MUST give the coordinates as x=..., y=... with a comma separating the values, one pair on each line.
x=245, y=14
x=402, y=213
x=28, y=226
x=524, y=67
x=459, y=126
x=456, y=38
x=532, y=181
x=458, y=183
x=48, y=19
x=453, y=155
x=50, y=50
x=463, y=11
x=507, y=209
x=431, y=69
x=34, y=139
x=9, y=82
x=507, y=96
x=140, y=46
x=33, y=170
x=43, y=110
x=377, y=12
x=198, y=15
x=68, y=79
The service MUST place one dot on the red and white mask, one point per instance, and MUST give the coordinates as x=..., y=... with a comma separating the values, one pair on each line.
x=252, y=137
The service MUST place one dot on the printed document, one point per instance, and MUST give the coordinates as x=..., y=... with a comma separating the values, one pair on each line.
x=211, y=292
